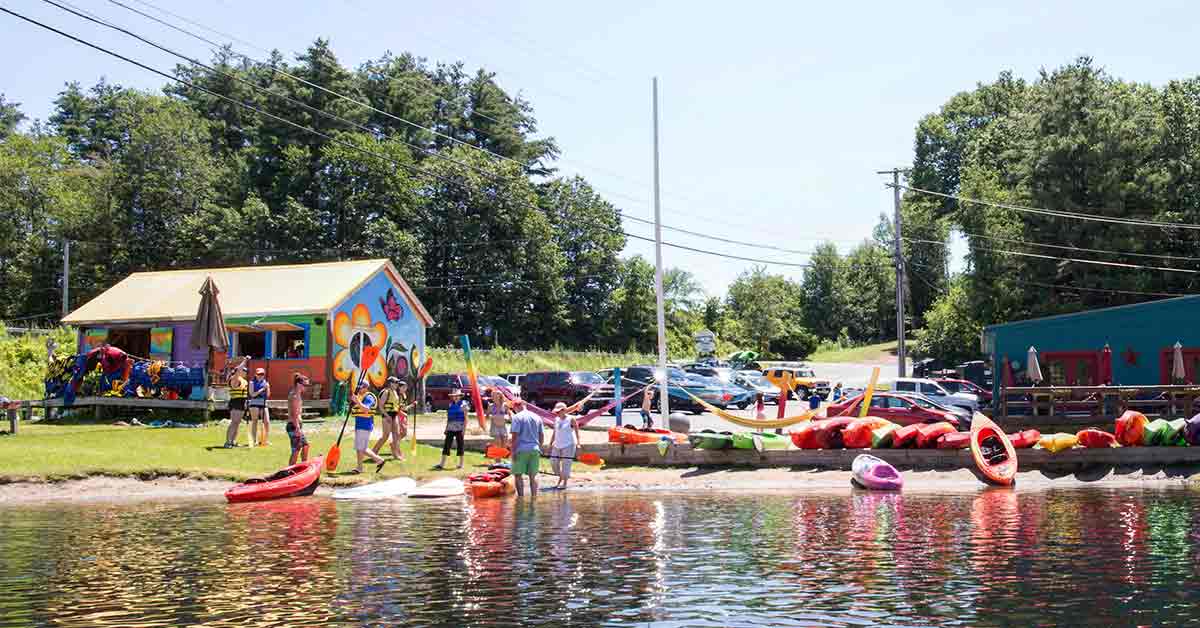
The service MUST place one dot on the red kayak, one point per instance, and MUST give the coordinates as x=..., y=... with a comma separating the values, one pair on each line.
x=954, y=440
x=1131, y=428
x=805, y=437
x=857, y=435
x=294, y=481
x=1096, y=439
x=829, y=432
x=1024, y=439
x=905, y=436
x=994, y=454
x=634, y=436
x=929, y=433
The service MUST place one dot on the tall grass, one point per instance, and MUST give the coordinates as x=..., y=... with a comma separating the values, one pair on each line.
x=23, y=360
x=501, y=360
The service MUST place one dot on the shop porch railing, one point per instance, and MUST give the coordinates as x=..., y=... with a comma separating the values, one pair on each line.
x=1078, y=404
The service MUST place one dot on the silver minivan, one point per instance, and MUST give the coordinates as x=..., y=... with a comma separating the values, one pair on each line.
x=936, y=392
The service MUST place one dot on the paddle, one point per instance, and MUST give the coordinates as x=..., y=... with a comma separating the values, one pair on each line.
x=590, y=459
x=369, y=354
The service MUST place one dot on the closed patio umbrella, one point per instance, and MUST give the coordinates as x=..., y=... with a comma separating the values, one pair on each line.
x=1178, y=370
x=1008, y=373
x=208, y=332
x=1106, y=374
x=1033, y=370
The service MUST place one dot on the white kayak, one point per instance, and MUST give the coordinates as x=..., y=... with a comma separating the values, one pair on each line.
x=398, y=487
x=441, y=487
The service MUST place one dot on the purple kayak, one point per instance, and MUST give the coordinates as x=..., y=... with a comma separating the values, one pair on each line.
x=1191, y=430
x=872, y=473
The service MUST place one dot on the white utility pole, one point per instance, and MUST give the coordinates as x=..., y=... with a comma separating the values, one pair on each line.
x=66, y=279
x=898, y=259
x=664, y=386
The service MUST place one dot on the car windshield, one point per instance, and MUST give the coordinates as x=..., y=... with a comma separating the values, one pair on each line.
x=952, y=386
x=805, y=373
x=926, y=402
x=586, y=377
x=758, y=381
x=490, y=380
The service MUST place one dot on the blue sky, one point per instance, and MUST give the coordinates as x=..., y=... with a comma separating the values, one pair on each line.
x=774, y=116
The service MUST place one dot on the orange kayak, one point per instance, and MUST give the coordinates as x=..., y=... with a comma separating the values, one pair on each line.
x=829, y=433
x=806, y=436
x=494, y=483
x=1131, y=428
x=1025, y=438
x=857, y=435
x=632, y=436
x=994, y=454
x=928, y=434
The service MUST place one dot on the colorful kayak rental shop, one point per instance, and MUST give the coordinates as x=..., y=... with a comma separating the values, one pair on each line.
x=312, y=319
x=1128, y=345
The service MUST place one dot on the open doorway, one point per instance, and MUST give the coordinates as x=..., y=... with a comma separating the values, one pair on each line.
x=131, y=341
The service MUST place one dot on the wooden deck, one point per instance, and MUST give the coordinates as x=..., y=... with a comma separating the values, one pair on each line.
x=683, y=455
x=23, y=410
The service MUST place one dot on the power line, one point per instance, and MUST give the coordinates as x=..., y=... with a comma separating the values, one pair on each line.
x=1055, y=212
x=1066, y=259
x=1064, y=247
x=1067, y=288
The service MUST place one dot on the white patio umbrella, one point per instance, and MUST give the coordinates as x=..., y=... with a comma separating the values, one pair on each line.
x=1178, y=370
x=1033, y=370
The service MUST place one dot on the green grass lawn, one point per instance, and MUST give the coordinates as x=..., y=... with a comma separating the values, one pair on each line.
x=59, y=452
x=866, y=353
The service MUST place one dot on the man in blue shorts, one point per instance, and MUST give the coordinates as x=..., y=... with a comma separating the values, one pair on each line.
x=527, y=440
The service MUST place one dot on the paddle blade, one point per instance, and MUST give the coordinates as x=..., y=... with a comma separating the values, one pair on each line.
x=425, y=368
x=593, y=460
x=333, y=458
x=496, y=453
x=369, y=354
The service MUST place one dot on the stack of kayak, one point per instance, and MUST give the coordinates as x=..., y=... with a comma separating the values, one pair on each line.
x=876, y=433
x=1132, y=429
x=627, y=435
x=495, y=482
x=709, y=439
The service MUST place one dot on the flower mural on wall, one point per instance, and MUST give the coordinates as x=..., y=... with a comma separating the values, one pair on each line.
x=352, y=332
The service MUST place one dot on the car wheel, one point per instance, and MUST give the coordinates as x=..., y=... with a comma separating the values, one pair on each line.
x=697, y=410
x=743, y=406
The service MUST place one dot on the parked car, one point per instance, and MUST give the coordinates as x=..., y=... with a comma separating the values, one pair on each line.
x=634, y=377
x=899, y=409
x=438, y=387
x=965, y=386
x=804, y=381
x=964, y=415
x=514, y=379
x=757, y=384
x=731, y=393
x=546, y=388
x=935, y=391
x=723, y=373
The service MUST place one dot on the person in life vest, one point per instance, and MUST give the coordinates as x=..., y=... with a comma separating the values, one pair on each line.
x=260, y=391
x=238, y=391
x=363, y=404
x=392, y=415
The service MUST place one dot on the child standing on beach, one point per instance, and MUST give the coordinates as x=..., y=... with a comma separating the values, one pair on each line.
x=364, y=402
x=295, y=430
x=647, y=403
x=498, y=417
x=456, y=423
x=260, y=391
x=565, y=439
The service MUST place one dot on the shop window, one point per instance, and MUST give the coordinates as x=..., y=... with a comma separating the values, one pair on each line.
x=289, y=345
x=251, y=343
x=1056, y=375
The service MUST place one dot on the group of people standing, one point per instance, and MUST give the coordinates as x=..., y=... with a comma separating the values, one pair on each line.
x=391, y=406
x=251, y=396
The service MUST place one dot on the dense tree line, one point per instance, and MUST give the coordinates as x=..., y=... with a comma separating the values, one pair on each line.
x=1074, y=139
x=441, y=171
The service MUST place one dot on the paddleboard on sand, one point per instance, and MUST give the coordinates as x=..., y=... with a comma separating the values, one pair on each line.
x=398, y=487
x=441, y=487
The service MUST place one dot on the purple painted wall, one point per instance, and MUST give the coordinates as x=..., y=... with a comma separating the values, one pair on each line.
x=181, y=347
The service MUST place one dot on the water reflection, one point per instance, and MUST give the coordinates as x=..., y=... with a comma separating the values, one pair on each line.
x=995, y=557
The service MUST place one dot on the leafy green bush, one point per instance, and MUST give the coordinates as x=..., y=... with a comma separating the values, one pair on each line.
x=502, y=360
x=23, y=361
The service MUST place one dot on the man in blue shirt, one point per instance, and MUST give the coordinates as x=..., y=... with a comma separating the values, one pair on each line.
x=527, y=440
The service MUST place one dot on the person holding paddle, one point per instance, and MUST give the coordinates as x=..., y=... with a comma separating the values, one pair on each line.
x=363, y=404
x=395, y=422
x=564, y=439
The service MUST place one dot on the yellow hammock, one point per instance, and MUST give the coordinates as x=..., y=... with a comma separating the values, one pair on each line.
x=758, y=424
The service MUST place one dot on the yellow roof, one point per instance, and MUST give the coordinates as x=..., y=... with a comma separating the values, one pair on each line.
x=174, y=295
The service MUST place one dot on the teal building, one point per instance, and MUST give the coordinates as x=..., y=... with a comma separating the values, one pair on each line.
x=1128, y=345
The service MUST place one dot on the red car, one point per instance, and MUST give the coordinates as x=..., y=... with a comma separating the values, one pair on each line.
x=899, y=409
x=964, y=386
x=438, y=387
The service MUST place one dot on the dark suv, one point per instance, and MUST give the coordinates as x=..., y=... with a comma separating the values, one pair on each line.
x=438, y=387
x=546, y=388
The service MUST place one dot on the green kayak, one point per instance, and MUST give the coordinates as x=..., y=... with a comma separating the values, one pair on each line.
x=1157, y=433
x=769, y=440
x=881, y=437
x=708, y=439
x=1174, y=436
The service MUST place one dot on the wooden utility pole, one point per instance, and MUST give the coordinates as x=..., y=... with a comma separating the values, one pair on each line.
x=898, y=260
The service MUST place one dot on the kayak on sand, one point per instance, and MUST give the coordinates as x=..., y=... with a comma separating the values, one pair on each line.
x=492, y=483
x=633, y=436
x=767, y=440
x=294, y=481
x=709, y=439
x=397, y=487
x=872, y=473
x=441, y=487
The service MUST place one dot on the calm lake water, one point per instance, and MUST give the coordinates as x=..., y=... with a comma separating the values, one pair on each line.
x=1065, y=557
